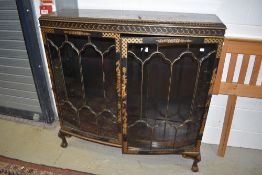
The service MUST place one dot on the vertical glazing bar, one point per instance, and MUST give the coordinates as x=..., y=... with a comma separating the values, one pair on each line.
x=82, y=79
x=169, y=89
x=151, y=138
x=103, y=74
x=168, y=95
x=63, y=77
x=141, y=90
x=174, y=138
x=178, y=89
x=97, y=129
x=66, y=37
x=195, y=90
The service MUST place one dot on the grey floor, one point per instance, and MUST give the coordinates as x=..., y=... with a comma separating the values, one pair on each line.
x=40, y=144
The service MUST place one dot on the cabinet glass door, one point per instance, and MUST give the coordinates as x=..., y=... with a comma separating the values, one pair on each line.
x=165, y=83
x=84, y=74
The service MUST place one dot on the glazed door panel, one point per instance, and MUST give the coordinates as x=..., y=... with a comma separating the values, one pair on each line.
x=167, y=83
x=84, y=70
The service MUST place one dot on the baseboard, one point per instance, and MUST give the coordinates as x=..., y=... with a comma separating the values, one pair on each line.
x=23, y=114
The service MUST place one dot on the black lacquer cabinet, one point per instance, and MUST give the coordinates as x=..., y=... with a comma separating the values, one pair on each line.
x=137, y=80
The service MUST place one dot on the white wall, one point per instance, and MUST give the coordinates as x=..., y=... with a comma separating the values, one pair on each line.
x=243, y=19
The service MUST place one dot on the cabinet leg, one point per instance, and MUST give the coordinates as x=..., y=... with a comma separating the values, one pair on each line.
x=62, y=136
x=196, y=158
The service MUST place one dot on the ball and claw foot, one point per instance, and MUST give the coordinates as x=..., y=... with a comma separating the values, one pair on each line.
x=195, y=166
x=64, y=143
x=196, y=158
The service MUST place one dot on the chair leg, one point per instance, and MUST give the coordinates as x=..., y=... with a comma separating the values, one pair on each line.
x=231, y=103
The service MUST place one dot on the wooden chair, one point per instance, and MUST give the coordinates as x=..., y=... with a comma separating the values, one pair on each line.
x=234, y=89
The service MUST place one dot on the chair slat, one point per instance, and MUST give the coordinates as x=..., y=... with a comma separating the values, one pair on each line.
x=231, y=68
x=255, y=70
x=243, y=90
x=243, y=69
x=251, y=48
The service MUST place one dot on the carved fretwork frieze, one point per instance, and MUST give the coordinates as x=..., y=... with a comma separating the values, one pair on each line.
x=137, y=29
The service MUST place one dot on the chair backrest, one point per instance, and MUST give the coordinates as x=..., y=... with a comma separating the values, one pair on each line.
x=237, y=48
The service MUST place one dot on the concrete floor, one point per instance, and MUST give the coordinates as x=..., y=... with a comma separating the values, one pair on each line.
x=40, y=144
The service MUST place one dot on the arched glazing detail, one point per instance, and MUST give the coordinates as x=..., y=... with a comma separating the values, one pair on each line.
x=142, y=132
x=57, y=70
x=72, y=78
x=92, y=61
x=69, y=113
x=86, y=76
x=163, y=95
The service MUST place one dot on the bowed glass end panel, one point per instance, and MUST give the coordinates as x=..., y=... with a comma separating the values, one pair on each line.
x=85, y=70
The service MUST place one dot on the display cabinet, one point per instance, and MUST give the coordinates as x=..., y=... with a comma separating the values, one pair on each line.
x=141, y=81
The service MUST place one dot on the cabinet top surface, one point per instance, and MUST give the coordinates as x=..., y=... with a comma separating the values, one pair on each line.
x=134, y=17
